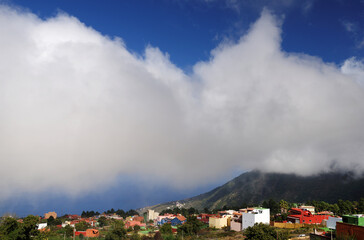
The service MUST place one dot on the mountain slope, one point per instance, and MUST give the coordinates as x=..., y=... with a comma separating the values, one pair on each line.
x=255, y=187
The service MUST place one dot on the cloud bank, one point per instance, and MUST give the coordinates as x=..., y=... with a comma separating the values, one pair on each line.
x=77, y=109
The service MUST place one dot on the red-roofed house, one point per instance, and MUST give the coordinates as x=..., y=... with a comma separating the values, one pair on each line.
x=297, y=215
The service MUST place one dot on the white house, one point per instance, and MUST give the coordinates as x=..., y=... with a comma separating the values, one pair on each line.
x=152, y=215
x=42, y=225
x=256, y=215
x=331, y=222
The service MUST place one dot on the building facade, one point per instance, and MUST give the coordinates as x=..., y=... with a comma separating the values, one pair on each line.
x=256, y=215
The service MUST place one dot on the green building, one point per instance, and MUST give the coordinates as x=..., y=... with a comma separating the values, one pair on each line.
x=357, y=219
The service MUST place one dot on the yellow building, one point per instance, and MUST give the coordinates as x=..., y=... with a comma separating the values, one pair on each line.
x=309, y=208
x=216, y=222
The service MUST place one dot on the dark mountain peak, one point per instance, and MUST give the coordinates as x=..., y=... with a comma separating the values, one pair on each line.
x=255, y=186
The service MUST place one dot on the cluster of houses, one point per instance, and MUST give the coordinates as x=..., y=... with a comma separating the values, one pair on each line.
x=73, y=219
x=158, y=220
x=234, y=220
x=347, y=227
x=352, y=225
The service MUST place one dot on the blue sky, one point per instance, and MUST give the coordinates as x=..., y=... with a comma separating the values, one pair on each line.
x=189, y=30
x=186, y=32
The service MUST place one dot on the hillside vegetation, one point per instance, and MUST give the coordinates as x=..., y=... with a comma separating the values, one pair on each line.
x=255, y=186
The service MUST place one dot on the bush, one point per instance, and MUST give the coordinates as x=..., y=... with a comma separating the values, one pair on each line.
x=166, y=228
x=263, y=232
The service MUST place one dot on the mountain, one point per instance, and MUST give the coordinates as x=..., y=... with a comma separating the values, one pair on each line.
x=255, y=187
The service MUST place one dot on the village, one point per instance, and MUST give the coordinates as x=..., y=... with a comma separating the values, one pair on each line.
x=300, y=222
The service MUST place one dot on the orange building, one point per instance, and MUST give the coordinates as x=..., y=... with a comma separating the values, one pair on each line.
x=49, y=214
x=88, y=233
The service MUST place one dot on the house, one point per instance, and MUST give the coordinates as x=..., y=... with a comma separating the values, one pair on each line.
x=160, y=220
x=42, y=225
x=308, y=208
x=331, y=222
x=73, y=216
x=297, y=215
x=236, y=222
x=166, y=218
x=179, y=220
x=88, y=233
x=49, y=214
x=218, y=222
x=355, y=219
x=138, y=218
x=134, y=223
x=204, y=217
x=255, y=215
x=152, y=215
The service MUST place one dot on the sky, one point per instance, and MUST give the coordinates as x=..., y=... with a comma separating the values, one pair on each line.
x=125, y=104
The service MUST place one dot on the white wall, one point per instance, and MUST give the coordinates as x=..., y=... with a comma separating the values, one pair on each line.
x=256, y=216
x=248, y=220
x=331, y=222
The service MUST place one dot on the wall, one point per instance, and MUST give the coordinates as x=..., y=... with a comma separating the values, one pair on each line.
x=248, y=220
x=217, y=222
x=287, y=225
x=152, y=215
x=263, y=217
x=235, y=226
x=331, y=222
x=343, y=229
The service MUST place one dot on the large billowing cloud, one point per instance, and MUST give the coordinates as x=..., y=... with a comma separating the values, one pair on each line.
x=77, y=109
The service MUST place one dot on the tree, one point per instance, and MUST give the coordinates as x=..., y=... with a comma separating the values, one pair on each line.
x=120, y=212
x=50, y=221
x=29, y=227
x=9, y=229
x=43, y=235
x=131, y=212
x=135, y=236
x=361, y=205
x=283, y=205
x=346, y=207
x=136, y=228
x=206, y=210
x=166, y=228
x=191, y=227
x=68, y=230
x=102, y=221
x=335, y=208
x=117, y=231
x=82, y=226
x=272, y=205
x=158, y=236
x=168, y=237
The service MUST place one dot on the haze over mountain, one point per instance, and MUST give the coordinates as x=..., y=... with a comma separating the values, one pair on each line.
x=254, y=187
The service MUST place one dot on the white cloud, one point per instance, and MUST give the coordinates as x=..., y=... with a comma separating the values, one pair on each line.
x=354, y=68
x=349, y=26
x=77, y=109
